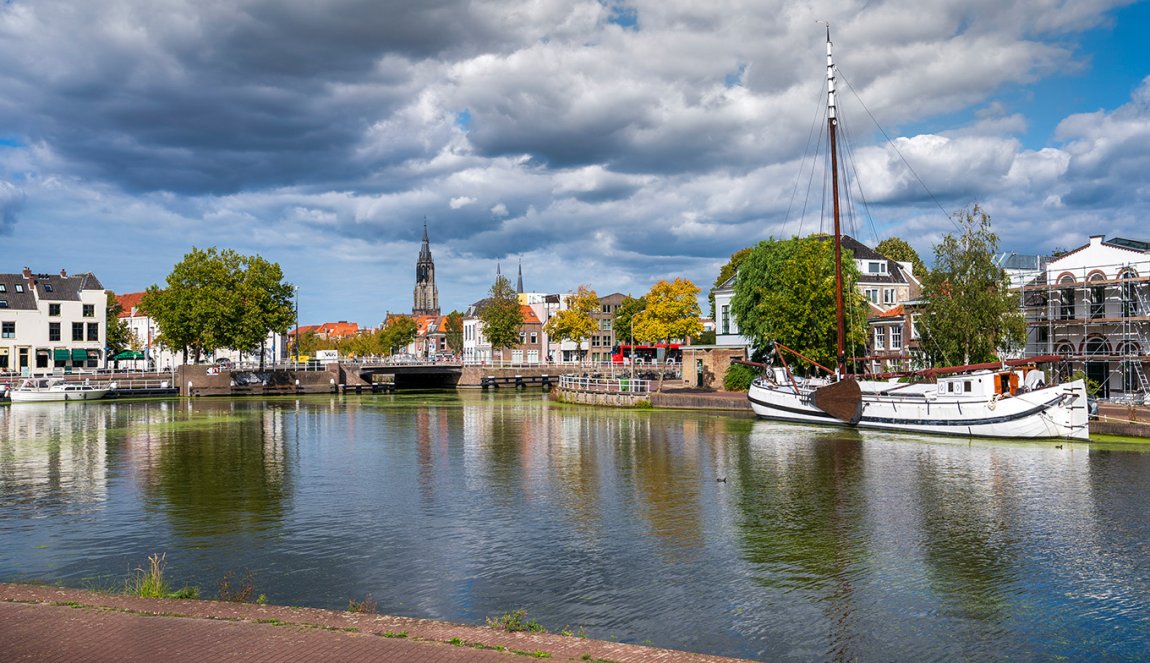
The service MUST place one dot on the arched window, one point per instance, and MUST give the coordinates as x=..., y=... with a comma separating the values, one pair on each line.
x=1066, y=298
x=1066, y=351
x=1097, y=347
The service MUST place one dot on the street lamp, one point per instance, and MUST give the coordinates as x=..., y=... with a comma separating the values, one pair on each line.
x=296, y=288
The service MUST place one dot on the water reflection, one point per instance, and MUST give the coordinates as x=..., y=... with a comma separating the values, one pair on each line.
x=818, y=545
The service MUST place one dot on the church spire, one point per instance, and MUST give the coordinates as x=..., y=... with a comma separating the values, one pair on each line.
x=426, y=295
x=519, y=287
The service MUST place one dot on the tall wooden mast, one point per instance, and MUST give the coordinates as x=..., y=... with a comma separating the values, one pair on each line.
x=832, y=122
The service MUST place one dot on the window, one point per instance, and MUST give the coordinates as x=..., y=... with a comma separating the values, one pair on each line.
x=1098, y=301
x=53, y=331
x=3, y=288
x=888, y=296
x=876, y=268
x=89, y=310
x=7, y=329
x=54, y=310
x=19, y=287
x=93, y=331
x=77, y=331
x=879, y=338
x=48, y=287
x=871, y=294
x=3, y=303
x=896, y=338
x=966, y=385
x=534, y=338
x=1066, y=304
x=1129, y=295
x=605, y=325
x=726, y=318
x=914, y=326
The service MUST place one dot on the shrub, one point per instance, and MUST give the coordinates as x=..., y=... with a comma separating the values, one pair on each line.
x=739, y=377
x=515, y=621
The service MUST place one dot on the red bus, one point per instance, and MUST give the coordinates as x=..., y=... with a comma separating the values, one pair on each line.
x=645, y=354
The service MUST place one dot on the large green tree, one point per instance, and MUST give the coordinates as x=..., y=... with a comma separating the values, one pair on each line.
x=397, y=333
x=786, y=293
x=500, y=316
x=899, y=250
x=971, y=315
x=453, y=332
x=575, y=323
x=625, y=315
x=264, y=304
x=672, y=312
x=725, y=272
x=117, y=337
x=216, y=299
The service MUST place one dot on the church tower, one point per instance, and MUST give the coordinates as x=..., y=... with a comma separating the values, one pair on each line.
x=426, y=300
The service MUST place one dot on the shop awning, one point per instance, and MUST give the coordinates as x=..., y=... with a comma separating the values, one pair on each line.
x=61, y=355
x=129, y=354
x=79, y=355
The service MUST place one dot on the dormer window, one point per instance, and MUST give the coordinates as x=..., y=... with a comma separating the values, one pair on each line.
x=876, y=267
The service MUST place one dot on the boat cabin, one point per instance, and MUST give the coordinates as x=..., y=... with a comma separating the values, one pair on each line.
x=982, y=384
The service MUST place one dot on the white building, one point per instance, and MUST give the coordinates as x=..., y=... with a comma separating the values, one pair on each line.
x=51, y=323
x=1092, y=306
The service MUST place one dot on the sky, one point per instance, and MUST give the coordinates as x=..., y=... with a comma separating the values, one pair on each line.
x=594, y=142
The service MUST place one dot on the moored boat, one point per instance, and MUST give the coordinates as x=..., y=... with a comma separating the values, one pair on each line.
x=993, y=400
x=43, y=390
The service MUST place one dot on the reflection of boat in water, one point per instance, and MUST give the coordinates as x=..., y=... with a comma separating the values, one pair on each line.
x=43, y=390
x=969, y=400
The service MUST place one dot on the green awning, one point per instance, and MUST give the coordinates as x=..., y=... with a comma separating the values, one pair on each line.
x=129, y=354
x=61, y=355
x=79, y=355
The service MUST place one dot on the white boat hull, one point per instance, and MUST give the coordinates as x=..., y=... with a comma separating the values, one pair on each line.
x=57, y=393
x=1052, y=412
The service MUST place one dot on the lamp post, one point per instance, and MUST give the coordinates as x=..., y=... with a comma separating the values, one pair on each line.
x=632, y=349
x=296, y=288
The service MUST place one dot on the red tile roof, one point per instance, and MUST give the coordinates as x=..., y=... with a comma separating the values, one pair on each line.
x=128, y=303
x=529, y=317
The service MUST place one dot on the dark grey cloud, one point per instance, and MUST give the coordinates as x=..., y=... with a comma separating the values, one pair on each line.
x=11, y=203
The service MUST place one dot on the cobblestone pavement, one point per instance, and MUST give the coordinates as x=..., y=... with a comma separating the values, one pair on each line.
x=39, y=623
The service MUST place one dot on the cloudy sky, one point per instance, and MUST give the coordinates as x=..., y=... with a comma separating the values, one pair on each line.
x=598, y=142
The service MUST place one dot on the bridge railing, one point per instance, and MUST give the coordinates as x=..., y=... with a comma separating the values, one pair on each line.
x=620, y=385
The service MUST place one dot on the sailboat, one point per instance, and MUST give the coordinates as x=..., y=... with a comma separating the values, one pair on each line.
x=1004, y=400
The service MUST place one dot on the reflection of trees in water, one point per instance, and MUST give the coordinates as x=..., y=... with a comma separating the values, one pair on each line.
x=968, y=539
x=667, y=475
x=802, y=508
x=223, y=469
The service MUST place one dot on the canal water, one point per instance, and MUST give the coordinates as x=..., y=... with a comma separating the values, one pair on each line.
x=704, y=532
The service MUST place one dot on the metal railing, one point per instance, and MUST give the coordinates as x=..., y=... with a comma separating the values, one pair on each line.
x=620, y=385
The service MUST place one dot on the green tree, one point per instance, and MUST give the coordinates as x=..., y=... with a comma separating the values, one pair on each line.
x=786, y=293
x=219, y=299
x=899, y=250
x=500, y=316
x=264, y=303
x=970, y=313
x=453, y=332
x=575, y=323
x=195, y=311
x=672, y=311
x=625, y=314
x=118, y=337
x=397, y=333
x=725, y=272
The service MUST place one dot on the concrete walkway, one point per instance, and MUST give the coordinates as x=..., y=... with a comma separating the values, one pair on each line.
x=40, y=623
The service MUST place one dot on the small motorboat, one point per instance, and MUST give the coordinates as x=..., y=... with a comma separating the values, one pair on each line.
x=43, y=390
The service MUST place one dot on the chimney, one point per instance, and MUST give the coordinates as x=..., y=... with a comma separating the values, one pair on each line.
x=63, y=274
x=28, y=274
x=1096, y=240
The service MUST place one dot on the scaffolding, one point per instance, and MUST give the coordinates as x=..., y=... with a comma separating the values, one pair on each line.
x=1098, y=318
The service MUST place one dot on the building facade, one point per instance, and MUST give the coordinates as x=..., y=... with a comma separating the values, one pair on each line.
x=1092, y=306
x=51, y=323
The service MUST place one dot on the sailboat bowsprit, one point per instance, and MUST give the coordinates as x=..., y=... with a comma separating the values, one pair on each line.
x=1010, y=402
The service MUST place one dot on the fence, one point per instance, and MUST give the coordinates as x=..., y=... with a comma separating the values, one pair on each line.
x=621, y=385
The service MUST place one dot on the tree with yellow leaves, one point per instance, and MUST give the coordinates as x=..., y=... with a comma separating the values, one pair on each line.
x=575, y=323
x=672, y=312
